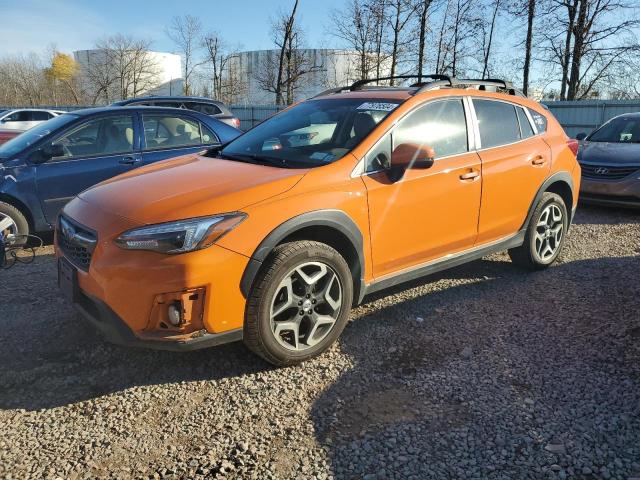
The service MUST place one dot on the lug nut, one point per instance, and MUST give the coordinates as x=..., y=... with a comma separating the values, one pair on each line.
x=313, y=301
x=301, y=312
x=300, y=302
x=308, y=295
x=309, y=311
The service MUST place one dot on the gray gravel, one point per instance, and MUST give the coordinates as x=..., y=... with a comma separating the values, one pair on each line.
x=481, y=372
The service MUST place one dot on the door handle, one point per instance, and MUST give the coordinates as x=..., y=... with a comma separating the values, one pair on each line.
x=470, y=175
x=538, y=160
x=129, y=160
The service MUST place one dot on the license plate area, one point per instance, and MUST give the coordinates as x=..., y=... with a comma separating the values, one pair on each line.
x=68, y=280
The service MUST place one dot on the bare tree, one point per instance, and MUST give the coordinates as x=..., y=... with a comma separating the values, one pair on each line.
x=226, y=81
x=488, y=38
x=588, y=40
x=459, y=26
x=422, y=6
x=401, y=13
x=186, y=33
x=356, y=26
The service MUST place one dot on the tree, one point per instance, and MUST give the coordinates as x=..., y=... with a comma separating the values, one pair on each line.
x=64, y=69
x=488, y=39
x=226, y=81
x=401, y=13
x=186, y=33
x=423, y=10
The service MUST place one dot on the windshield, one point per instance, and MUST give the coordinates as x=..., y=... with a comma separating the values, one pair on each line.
x=313, y=133
x=31, y=136
x=618, y=130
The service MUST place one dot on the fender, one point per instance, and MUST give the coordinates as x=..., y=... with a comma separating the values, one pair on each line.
x=564, y=177
x=331, y=219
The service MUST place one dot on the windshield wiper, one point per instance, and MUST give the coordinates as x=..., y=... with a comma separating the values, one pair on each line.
x=257, y=159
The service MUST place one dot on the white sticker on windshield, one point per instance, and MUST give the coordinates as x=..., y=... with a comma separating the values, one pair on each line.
x=380, y=107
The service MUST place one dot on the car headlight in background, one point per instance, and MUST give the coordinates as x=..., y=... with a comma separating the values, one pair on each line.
x=180, y=236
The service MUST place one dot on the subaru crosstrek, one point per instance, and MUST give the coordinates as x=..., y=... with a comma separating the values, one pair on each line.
x=275, y=245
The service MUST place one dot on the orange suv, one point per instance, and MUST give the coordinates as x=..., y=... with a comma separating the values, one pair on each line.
x=274, y=237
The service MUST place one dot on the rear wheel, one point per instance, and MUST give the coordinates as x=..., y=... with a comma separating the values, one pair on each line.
x=545, y=234
x=299, y=304
x=13, y=224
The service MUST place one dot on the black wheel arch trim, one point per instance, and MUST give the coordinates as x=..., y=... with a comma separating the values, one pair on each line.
x=563, y=177
x=331, y=219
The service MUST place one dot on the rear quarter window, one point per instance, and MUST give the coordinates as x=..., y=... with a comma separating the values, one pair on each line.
x=539, y=120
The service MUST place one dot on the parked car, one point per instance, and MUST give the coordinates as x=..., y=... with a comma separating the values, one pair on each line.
x=45, y=167
x=274, y=246
x=207, y=106
x=610, y=161
x=25, y=118
x=6, y=135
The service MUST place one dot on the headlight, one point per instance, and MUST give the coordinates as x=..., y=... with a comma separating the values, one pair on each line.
x=180, y=236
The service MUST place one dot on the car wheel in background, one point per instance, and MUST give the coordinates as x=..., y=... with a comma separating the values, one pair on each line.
x=299, y=303
x=545, y=234
x=13, y=224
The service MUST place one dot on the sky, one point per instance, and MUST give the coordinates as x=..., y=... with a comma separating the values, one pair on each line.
x=32, y=25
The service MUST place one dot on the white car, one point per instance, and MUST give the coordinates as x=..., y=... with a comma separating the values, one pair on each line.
x=25, y=118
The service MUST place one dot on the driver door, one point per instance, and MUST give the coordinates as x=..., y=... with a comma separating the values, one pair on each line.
x=428, y=212
x=95, y=150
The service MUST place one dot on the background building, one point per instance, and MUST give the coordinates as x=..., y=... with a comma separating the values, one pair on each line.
x=116, y=74
x=318, y=69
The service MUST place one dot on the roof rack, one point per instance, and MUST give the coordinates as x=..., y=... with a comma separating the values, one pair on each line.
x=438, y=81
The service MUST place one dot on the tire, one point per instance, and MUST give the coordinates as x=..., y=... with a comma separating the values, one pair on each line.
x=283, y=289
x=18, y=227
x=545, y=234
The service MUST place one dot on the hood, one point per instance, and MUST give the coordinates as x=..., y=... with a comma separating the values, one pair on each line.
x=188, y=187
x=603, y=153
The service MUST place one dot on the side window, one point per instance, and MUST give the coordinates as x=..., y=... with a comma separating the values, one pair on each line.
x=170, y=131
x=102, y=136
x=206, y=108
x=497, y=122
x=21, y=116
x=440, y=125
x=379, y=157
x=540, y=121
x=525, y=126
x=40, y=116
x=207, y=135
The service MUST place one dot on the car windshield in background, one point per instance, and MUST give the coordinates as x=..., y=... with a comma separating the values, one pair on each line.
x=31, y=136
x=313, y=133
x=619, y=130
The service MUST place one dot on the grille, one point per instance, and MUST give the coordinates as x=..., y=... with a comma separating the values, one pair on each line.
x=76, y=242
x=605, y=172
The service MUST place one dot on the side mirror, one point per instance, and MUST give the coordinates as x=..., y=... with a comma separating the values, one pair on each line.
x=411, y=155
x=581, y=136
x=52, y=150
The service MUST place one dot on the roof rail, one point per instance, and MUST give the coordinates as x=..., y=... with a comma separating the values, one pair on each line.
x=360, y=83
x=498, y=84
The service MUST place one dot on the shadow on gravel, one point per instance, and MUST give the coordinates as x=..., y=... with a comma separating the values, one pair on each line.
x=598, y=215
x=453, y=380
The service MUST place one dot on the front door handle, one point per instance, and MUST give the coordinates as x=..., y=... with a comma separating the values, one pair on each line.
x=129, y=160
x=470, y=175
x=538, y=160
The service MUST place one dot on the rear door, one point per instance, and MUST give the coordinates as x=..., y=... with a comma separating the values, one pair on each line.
x=515, y=163
x=94, y=150
x=169, y=135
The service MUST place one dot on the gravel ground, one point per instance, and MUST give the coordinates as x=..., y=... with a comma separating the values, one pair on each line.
x=481, y=372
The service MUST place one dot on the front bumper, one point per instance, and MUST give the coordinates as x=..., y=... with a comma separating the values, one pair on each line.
x=115, y=330
x=126, y=294
x=623, y=193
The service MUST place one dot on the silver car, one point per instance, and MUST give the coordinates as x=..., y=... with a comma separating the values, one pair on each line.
x=25, y=118
x=610, y=161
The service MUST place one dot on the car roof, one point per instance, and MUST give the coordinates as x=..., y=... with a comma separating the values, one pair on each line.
x=28, y=109
x=180, y=98
x=381, y=93
x=115, y=108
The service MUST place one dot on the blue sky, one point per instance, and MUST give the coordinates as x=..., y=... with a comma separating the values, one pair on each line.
x=31, y=25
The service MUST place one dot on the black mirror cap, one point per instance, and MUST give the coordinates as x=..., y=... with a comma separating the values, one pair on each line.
x=581, y=136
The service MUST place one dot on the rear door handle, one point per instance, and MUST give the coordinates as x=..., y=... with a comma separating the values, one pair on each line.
x=470, y=175
x=128, y=160
x=538, y=160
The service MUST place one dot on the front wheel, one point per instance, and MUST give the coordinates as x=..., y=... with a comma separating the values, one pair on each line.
x=13, y=226
x=299, y=303
x=545, y=234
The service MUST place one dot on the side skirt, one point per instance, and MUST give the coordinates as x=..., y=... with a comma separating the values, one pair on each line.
x=444, y=263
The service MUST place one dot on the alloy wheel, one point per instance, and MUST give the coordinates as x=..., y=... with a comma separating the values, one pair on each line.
x=305, y=306
x=8, y=228
x=549, y=232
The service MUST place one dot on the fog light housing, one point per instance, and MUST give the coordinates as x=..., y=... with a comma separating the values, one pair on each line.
x=174, y=313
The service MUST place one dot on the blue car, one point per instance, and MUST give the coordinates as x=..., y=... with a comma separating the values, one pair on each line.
x=45, y=167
